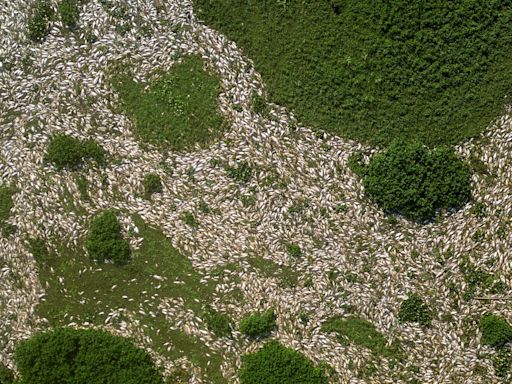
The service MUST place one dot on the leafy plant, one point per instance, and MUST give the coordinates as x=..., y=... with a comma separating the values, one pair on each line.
x=502, y=362
x=496, y=331
x=274, y=363
x=414, y=310
x=68, y=152
x=104, y=240
x=69, y=356
x=39, y=21
x=415, y=182
x=258, y=325
x=152, y=184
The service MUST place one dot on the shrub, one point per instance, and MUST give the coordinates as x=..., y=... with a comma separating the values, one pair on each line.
x=69, y=13
x=104, y=240
x=274, y=363
x=415, y=182
x=69, y=356
x=39, y=21
x=414, y=310
x=152, y=184
x=218, y=323
x=241, y=173
x=496, y=331
x=258, y=325
x=68, y=152
x=502, y=362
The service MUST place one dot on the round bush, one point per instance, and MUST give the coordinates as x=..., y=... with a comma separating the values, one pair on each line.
x=274, y=363
x=68, y=152
x=69, y=356
x=104, y=240
x=496, y=331
x=414, y=310
x=416, y=182
x=258, y=325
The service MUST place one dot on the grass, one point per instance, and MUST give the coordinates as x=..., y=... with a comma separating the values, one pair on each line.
x=6, y=204
x=178, y=111
x=89, y=296
x=287, y=276
x=375, y=71
x=39, y=21
x=358, y=331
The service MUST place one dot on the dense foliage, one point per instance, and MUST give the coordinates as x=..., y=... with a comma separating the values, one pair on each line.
x=179, y=110
x=258, y=325
x=496, y=331
x=39, y=21
x=416, y=182
x=274, y=363
x=68, y=152
x=68, y=356
x=152, y=184
x=436, y=70
x=104, y=240
x=414, y=310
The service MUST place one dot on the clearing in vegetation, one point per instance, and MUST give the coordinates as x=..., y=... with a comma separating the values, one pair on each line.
x=89, y=292
x=378, y=70
x=178, y=110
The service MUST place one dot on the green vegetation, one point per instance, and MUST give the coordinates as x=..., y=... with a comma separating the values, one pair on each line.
x=288, y=276
x=259, y=104
x=377, y=70
x=189, y=219
x=39, y=20
x=69, y=356
x=274, y=363
x=69, y=13
x=89, y=292
x=294, y=250
x=39, y=250
x=414, y=310
x=68, y=152
x=415, y=182
x=241, y=173
x=258, y=325
x=152, y=184
x=502, y=362
x=358, y=331
x=6, y=204
x=219, y=323
x=496, y=331
x=178, y=111
x=105, y=241
x=6, y=376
